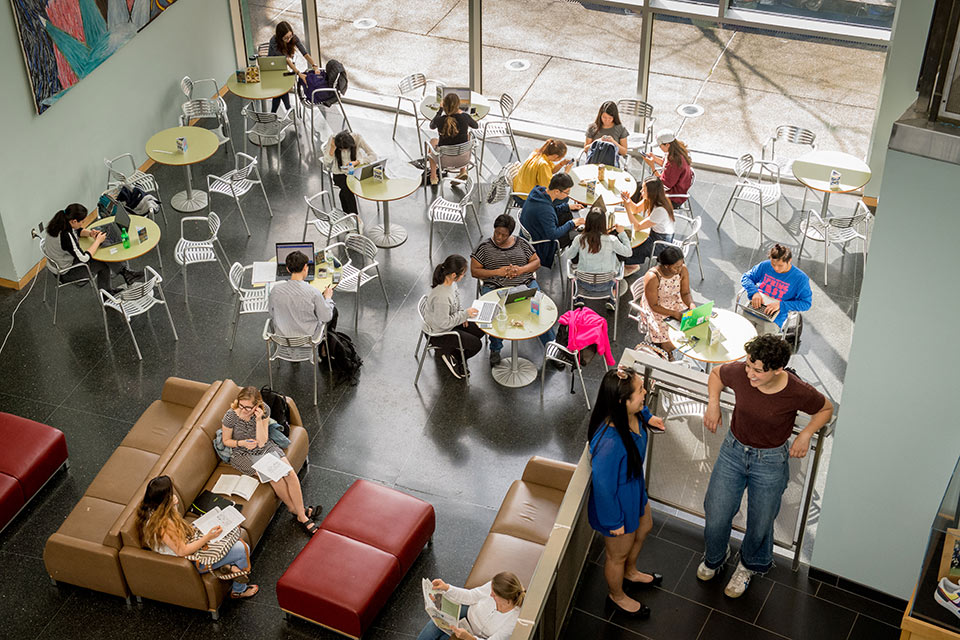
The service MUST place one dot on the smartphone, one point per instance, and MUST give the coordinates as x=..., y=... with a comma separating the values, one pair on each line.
x=336, y=277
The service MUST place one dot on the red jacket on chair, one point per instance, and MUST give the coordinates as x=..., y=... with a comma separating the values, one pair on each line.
x=585, y=328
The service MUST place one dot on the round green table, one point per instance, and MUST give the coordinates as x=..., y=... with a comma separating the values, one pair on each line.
x=517, y=371
x=201, y=144
x=623, y=181
x=116, y=253
x=813, y=169
x=385, y=191
x=322, y=276
x=429, y=105
x=736, y=331
x=273, y=84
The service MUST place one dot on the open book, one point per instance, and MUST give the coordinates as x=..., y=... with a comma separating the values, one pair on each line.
x=236, y=485
x=444, y=612
x=228, y=519
x=270, y=468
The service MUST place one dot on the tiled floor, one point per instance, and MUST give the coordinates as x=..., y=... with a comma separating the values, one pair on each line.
x=455, y=445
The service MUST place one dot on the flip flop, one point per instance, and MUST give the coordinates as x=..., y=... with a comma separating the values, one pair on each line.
x=249, y=592
x=226, y=573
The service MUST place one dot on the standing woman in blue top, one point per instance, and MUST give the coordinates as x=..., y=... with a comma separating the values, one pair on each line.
x=778, y=279
x=284, y=43
x=618, y=498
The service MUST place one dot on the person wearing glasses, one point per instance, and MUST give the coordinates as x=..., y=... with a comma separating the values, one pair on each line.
x=246, y=427
x=617, y=507
x=546, y=215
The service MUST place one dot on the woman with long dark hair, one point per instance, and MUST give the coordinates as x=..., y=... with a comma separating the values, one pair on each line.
x=344, y=152
x=654, y=212
x=673, y=169
x=285, y=42
x=607, y=127
x=598, y=249
x=617, y=507
x=453, y=125
x=443, y=312
x=666, y=294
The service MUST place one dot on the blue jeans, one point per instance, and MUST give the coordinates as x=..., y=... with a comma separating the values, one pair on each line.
x=496, y=343
x=237, y=555
x=645, y=250
x=431, y=631
x=764, y=473
x=595, y=289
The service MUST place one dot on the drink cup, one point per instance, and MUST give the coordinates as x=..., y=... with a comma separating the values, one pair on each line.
x=834, y=179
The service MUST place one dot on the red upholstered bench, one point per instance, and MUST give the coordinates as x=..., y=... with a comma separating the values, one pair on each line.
x=366, y=544
x=30, y=455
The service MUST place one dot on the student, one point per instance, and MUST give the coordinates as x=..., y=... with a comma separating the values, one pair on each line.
x=755, y=454
x=453, y=125
x=666, y=294
x=342, y=154
x=676, y=175
x=598, y=250
x=617, y=506
x=67, y=227
x=607, y=127
x=505, y=260
x=538, y=169
x=163, y=529
x=779, y=279
x=283, y=43
x=443, y=312
x=657, y=212
x=298, y=308
x=246, y=430
x=546, y=216
x=492, y=609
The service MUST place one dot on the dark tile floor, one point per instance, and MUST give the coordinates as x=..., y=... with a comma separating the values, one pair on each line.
x=457, y=446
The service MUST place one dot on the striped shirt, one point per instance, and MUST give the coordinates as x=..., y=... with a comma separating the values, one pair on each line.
x=297, y=308
x=492, y=257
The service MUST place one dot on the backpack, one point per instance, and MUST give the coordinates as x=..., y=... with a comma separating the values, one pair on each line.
x=315, y=80
x=792, y=335
x=603, y=152
x=500, y=189
x=344, y=359
x=279, y=411
x=337, y=78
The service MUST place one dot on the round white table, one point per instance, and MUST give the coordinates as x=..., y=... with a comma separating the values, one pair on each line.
x=517, y=371
x=623, y=181
x=385, y=191
x=736, y=331
x=813, y=170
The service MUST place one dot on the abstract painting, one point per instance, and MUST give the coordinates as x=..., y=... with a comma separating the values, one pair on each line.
x=64, y=40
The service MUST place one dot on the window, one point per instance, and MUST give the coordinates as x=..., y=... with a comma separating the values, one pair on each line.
x=874, y=13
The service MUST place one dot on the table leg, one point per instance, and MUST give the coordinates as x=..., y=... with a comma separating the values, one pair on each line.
x=189, y=200
x=518, y=372
x=385, y=236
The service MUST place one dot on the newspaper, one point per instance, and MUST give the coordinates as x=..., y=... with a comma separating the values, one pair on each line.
x=228, y=519
x=444, y=612
x=270, y=468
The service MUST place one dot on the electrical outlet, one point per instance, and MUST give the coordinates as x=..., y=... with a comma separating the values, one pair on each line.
x=35, y=233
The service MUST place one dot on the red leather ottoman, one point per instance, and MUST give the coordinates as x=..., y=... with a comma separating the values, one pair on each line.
x=11, y=498
x=31, y=451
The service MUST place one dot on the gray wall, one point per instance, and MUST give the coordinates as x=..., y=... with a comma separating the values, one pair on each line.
x=52, y=160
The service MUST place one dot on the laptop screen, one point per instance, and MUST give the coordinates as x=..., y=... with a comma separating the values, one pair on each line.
x=286, y=248
x=463, y=93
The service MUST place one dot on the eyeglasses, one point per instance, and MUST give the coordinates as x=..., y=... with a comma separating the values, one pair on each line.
x=566, y=193
x=245, y=407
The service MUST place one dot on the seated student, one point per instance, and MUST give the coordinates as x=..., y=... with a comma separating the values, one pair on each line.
x=67, y=227
x=163, y=529
x=505, y=260
x=546, y=216
x=779, y=279
x=246, y=429
x=492, y=609
x=657, y=212
x=343, y=152
x=598, y=251
x=443, y=312
x=453, y=125
x=538, y=169
x=283, y=43
x=607, y=127
x=676, y=175
x=298, y=308
x=666, y=294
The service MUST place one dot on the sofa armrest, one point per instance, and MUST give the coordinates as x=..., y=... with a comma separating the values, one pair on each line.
x=85, y=564
x=549, y=473
x=164, y=578
x=295, y=418
x=184, y=392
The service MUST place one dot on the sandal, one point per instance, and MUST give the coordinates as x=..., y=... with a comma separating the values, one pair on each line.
x=314, y=511
x=310, y=527
x=232, y=572
x=249, y=592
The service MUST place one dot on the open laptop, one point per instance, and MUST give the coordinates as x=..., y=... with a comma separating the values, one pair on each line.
x=463, y=93
x=693, y=318
x=758, y=313
x=266, y=272
x=272, y=63
x=365, y=171
x=113, y=230
x=486, y=310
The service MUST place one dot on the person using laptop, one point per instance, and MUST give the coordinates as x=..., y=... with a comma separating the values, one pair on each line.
x=298, y=308
x=666, y=294
x=785, y=286
x=546, y=215
x=454, y=127
x=505, y=260
x=539, y=167
x=66, y=227
x=755, y=454
x=654, y=212
x=597, y=252
x=444, y=312
x=342, y=154
x=284, y=43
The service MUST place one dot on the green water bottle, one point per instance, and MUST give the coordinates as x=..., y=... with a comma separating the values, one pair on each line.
x=125, y=238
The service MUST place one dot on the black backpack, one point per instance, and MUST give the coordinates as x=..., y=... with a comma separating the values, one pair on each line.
x=345, y=361
x=336, y=78
x=279, y=411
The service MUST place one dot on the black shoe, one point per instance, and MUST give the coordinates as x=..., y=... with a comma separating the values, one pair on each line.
x=640, y=614
x=559, y=366
x=495, y=358
x=656, y=582
x=130, y=276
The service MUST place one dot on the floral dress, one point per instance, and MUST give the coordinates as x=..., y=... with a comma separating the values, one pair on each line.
x=242, y=459
x=669, y=292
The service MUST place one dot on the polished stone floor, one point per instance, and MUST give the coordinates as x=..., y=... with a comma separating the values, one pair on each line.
x=457, y=446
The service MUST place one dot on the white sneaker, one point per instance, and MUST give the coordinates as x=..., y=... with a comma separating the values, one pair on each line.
x=739, y=582
x=706, y=573
x=948, y=596
x=452, y=364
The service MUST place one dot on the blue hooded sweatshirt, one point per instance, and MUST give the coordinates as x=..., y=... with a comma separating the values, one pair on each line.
x=792, y=288
x=539, y=218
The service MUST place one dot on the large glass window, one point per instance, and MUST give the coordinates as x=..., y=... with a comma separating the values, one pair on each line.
x=875, y=13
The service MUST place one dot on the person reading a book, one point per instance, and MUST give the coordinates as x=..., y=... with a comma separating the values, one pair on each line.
x=597, y=250
x=246, y=427
x=342, y=154
x=654, y=212
x=777, y=287
x=443, y=312
x=285, y=43
x=666, y=294
x=163, y=529
x=491, y=609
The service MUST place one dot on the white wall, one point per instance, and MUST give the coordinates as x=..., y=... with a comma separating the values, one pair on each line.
x=52, y=160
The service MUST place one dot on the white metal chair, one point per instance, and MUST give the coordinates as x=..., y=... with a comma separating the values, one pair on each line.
x=634, y=308
x=76, y=275
x=312, y=103
x=684, y=205
x=269, y=127
x=497, y=130
x=643, y=120
x=425, y=337
x=188, y=252
x=792, y=325
x=616, y=277
x=123, y=171
x=330, y=223
x=238, y=182
x=247, y=300
x=691, y=239
x=411, y=89
x=558, y=353
x=354, y=278
x=759, y=191
x=793, y=135
x=189, y=89
x=136, y=300
x=837, y=229
x=208, y=109
x=445, y=211
x=296, y=349
x=456, y=157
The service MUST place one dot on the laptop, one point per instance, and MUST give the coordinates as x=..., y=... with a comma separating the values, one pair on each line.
x=286, y=248
x=365, y=171
x=113, y=230
x=272, y=63
x=518, y=294
x=758, y=313
x=693, y=318
x=486, y=310
x=463, y=93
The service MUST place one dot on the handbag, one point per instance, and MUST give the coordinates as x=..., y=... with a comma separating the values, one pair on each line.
x=213, y=552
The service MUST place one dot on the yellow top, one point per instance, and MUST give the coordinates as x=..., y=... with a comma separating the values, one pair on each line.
x=116, y=252
x=273, y=84
x=536, y=171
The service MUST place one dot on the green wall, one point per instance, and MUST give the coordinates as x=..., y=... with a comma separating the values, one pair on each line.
x=52, y=160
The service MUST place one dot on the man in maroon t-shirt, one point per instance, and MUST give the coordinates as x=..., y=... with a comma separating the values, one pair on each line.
x=755, y=454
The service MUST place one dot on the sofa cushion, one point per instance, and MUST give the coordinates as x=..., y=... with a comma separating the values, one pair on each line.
x=157, y=427
x=91, y=519
x=31, y=451
x=528, y=511
x=504, y=553
x=338, y=582
x=11, y=498
x=122, y=475
x=212, y=417
x=367, y=507
x=257, y=511
x=192, y=465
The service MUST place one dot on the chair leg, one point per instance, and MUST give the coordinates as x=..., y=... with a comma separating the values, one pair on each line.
x=383, y=288
x=356, y=309
x=316, y=366
x=242, y=217
x=826, y=235
x=236, y=323
x=166, y=306
x=396, y=117
x=803, y=239
x=584, y=385
x=699, y=261
x=134, y=338
x=56, y=300
x=264, y=191
x=543, y=374
x=423, y=356
x=727, y=208
x=269, y=367
x=184, y=272
x=429, y=253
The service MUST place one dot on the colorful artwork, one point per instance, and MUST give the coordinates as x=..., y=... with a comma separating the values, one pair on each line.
x=64, y=40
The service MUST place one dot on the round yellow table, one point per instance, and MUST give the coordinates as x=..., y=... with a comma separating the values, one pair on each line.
x=322, y=276
x=116, y=253
x=273, y=84
x=623, y=181
x=385, y=191
x=201, y=144
x=813, y=170
x=736, y=331
x=429, y=106
x=517, y=371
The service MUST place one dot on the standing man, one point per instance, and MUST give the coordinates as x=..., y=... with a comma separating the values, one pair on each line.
x=546, y=216
x=296, y=307
x=755, y=454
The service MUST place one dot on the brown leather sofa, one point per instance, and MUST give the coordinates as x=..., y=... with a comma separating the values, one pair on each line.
x=523, y=523
x=97, y=546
